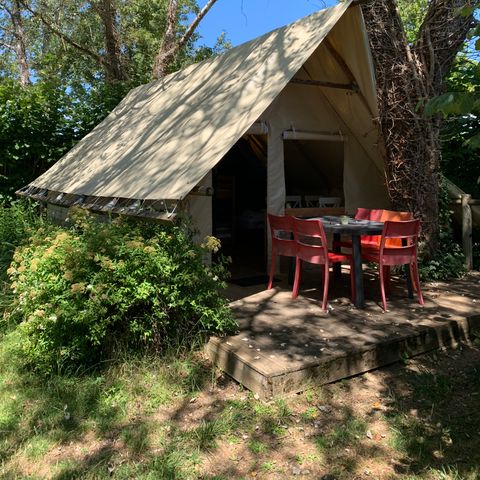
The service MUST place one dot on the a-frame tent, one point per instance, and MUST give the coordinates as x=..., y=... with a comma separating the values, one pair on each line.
x=312, y=79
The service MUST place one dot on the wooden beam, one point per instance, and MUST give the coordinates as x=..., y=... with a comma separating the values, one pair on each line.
x=355, y=3
x=471, y=201
x=321, y=83
x=320, y=136
x=201, y=191
x=258, y=128
x=346, y=70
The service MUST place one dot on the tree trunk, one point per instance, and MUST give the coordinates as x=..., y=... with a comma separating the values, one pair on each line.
x=113, y=63
x=164, y=56
x=441, y=36
x=171, y=45
x=406, y=78
x=19, y=43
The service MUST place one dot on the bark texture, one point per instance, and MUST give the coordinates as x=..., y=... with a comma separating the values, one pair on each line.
x=18, y=39
x=171, y=43
x=407, y=76
x=113, y=62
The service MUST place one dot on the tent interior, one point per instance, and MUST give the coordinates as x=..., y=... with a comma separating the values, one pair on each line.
x=239, y=205
x=314, y=168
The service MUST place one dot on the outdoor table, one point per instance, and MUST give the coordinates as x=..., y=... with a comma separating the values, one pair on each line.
x=354, y=228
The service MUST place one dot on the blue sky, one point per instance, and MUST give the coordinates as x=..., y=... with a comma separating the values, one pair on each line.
x=243, y=20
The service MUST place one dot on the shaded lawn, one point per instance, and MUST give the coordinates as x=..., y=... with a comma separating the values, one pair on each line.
x=177, y=418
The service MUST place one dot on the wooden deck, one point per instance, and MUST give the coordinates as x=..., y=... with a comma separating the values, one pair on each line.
x=284, y=345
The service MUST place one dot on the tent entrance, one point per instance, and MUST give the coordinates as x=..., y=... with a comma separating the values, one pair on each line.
x=314, y=169
x=239, y=205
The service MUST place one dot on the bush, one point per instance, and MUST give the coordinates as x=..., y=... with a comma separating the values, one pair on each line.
x=80, y=292
x=448, y=261
x=18, y=220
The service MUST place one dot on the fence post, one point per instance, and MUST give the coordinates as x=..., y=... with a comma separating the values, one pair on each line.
x=467, y=230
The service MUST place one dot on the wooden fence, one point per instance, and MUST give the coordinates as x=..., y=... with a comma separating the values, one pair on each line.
x=467, y=211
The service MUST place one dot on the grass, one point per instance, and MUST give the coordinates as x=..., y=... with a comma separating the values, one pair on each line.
x=176, y=418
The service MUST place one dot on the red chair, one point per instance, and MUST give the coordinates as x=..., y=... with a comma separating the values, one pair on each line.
x=378, y=215
x=312, y=247
x=402, y=250
x=283, y=243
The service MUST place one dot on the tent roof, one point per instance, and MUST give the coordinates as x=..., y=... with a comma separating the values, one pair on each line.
x=163, y=138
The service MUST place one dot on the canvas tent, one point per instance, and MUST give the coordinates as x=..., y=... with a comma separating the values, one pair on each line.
x=310, y=81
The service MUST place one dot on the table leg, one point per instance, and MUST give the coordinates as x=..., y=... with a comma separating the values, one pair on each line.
x=357, y=260
x=337, y=267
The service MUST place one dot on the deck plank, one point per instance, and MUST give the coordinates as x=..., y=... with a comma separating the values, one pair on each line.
x=284, y=345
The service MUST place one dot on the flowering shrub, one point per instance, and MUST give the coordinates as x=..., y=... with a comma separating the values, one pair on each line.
x=79, y=292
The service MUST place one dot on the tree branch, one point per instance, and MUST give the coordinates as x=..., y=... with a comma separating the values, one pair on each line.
x=6, y=45
x=440, y=37
x=113, y=57
x=98, y=58
x=193, y=26
x=170, y=47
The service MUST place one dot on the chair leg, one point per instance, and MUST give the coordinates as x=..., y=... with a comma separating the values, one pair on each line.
x=387, y=280
x=412, y=280
x=272, y=269
x=382, y=286
x=298, y=277
x=326, y=279
x=414, y=271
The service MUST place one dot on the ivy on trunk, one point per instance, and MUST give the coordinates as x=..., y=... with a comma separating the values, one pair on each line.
x=408, y=75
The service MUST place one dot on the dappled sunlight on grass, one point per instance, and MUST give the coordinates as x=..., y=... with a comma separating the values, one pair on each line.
x=177, y=418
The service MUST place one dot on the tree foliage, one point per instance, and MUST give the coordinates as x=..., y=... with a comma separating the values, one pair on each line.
x=413, y=55
x=461, y=131
x=70, y=63
x=34, y=129
x=40, y=122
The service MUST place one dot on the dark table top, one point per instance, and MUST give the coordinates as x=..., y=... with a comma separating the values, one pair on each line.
x=354, y=227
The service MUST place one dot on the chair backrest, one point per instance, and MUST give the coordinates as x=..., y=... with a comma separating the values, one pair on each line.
x=311, y=201
x=329, y=201
x=398, y=245
x=282, y=234
x=311, y=241
x=381, y=215
x=392, y=216
x=293, y=201
x=368, y=214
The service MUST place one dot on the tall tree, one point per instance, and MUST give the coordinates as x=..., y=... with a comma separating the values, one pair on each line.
x=65, y=64
x=409, y=73
x=108, y=14
x=111, y=34
x=13, y=36
x=75, y=26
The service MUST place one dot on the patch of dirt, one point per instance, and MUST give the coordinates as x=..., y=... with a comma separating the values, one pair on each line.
x=346, y=429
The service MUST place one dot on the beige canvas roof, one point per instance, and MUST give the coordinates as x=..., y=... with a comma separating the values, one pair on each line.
x=163, y=138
